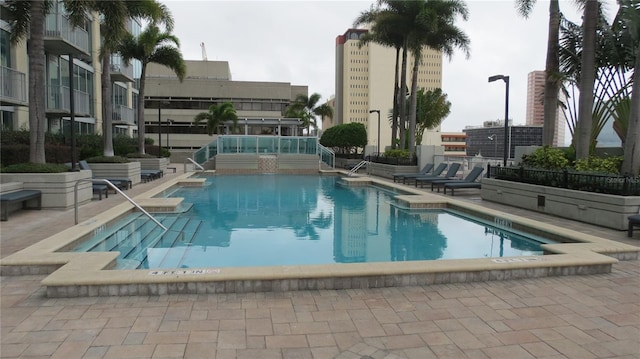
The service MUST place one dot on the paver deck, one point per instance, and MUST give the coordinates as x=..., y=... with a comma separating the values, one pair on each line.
x=596, y=316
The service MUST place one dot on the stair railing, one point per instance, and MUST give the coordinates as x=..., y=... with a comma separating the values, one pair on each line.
x=196, y=164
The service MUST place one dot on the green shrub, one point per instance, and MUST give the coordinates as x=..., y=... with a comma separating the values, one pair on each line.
x=107, y=159
x=345, y=138
x=546, y=158
x=610, y=165
x=138, y=155
x=35, y=168
x=398, y=153
x=122, y=145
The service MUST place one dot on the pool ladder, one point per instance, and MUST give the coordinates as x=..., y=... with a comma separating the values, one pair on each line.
x=355, y=169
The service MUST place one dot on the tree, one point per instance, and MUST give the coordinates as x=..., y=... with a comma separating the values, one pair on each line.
x=630, y=16
x=345, y=138
x=434, y=28
x=28, y=19
x=432, y=108
x=587, y=79
x=151, y=46
x=552, y=67
x=307, y=108
x=217, y=115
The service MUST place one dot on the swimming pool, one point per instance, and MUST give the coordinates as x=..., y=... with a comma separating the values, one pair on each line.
x=274, y=220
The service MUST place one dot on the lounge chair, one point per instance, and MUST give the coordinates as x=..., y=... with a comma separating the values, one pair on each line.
x=451, y=173
x=120, y=182
x=634, y=221
x=470, y=178
x=454, y=185
x=423, y=172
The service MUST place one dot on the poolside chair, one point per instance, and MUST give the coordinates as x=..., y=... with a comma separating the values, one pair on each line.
x=436, y=172
x=634, y=221
x=470, y=178
x=120, y=182
x=423, y=172
x=451, y=173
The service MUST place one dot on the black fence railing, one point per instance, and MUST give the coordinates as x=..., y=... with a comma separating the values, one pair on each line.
x=588, y=182
x=396, y=161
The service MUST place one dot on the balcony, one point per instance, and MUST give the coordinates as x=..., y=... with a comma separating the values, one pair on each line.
x=123, y=115
x=58, y=102
x=61, y=38
x=119, y=71
x=13, y=90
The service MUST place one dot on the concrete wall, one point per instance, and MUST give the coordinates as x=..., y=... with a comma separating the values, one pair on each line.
x=130, y=170
x=595, y=208
x=57, y=188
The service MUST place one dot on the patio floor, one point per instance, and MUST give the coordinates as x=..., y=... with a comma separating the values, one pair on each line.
x=596, y=316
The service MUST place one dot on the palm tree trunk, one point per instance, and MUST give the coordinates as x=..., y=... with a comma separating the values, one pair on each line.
x=587, y=79
x=396, y=91
x=631, y=162
x=37, y=83
x=414, y=103
x=551, y=84
x=141, y=101
x=403, y=98
x=107, y=108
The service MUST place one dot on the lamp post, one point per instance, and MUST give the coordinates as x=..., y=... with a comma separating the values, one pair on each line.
x=378, y=112
x=506, y=113
x=492, y=138
x=72, y=116
x=169, y=123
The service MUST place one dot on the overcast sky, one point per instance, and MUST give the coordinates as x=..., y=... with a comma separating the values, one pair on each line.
x=294, y=41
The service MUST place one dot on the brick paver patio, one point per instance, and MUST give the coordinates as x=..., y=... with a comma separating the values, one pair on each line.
x=580, y=317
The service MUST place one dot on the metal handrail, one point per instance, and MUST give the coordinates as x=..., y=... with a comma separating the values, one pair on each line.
x=108, y=183
x=355, y=169
x=194, y=163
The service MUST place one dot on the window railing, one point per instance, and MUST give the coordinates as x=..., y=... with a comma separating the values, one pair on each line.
x=58, y=25
x=58, y=99
x=122, y=113
x=14, y=85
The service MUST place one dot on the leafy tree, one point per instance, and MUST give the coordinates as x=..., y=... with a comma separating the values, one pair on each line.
x=345, y=138
x=151, y=46
x=552, y=66
x=307, y=108
x=217, y=115
x=432, y=108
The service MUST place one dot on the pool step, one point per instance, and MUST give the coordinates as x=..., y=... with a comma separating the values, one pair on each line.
x=104, y=239
x=174, y=256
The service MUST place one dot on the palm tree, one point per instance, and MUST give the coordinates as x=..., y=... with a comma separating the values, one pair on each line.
x=112, y=29
x=630, y=16
x=151, y=46
x=307, y=109
x=587, y=79
x=217, y=115
x=434, y=28
x=433, y=108
x=552, y=67
x=28, y=19
x=384, y=31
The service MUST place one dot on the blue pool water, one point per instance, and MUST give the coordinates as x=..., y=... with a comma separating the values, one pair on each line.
x=267, y=220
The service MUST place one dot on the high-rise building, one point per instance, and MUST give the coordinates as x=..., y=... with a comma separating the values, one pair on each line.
x=365, y=77
x=535, y=107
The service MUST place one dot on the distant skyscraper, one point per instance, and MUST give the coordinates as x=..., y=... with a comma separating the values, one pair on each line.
x=364, y=81
x=535, y=106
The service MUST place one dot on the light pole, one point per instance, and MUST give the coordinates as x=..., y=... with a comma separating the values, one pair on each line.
x=378, y=112
x=492, y=138
x=169, y=123
x=506, y=113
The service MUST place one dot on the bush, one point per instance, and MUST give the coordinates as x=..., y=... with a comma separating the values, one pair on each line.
x=345, y=138
x=610, y=165
x=397, y=153
x=107, y=159
x=35, y=168
x=138, y=155
x=546, y=158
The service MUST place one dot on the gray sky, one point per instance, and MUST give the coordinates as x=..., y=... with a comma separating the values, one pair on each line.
x=294, y=41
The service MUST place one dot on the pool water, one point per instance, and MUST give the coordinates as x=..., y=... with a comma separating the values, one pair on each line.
x=270, y=220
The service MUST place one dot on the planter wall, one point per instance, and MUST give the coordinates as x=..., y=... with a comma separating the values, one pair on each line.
x=604, y=210
x=57, y=188
x=152, y=163
x=387, y=171
x=129, y=170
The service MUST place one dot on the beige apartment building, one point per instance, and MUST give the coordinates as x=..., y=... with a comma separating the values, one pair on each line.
x=535, y=107
x=365, y=79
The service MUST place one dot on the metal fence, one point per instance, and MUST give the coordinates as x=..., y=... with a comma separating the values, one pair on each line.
x=588, y=182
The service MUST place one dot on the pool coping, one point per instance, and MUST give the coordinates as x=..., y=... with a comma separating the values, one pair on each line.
x=73, y=274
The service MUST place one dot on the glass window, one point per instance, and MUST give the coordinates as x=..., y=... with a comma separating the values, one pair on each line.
x=5, y=49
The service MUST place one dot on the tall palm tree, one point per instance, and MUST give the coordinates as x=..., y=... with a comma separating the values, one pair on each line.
x=112, y=29
x=384, y=31
x=552, y=67
x=308, y=109
x=630, y=16
x=587, y=79
x=434, y=28
x=151, y=46
x=28, y=19
x=216, y=116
